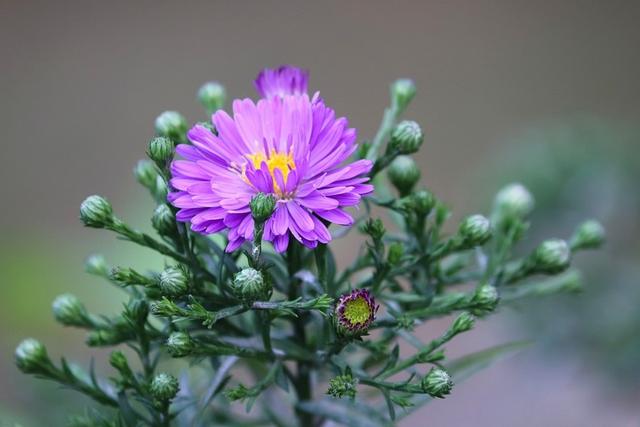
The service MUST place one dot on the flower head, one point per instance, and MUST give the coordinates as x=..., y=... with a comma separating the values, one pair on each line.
x=282, y=81
x=355, y=312
x=290, y=147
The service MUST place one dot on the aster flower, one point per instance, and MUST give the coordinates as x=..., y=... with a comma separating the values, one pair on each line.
x=282, y=81
x=291, y=147
x=355, y=312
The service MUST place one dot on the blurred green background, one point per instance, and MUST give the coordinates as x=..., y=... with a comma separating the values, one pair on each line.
x=545, y=93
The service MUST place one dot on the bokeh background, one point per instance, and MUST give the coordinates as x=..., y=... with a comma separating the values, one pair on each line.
x=546, y=93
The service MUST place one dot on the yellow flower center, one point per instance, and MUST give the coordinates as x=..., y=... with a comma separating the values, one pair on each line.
x=282, y=161
x=357, y=311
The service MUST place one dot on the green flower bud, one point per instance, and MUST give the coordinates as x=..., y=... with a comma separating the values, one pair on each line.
x=249, y=286
x=68, y=310
x=164, y=387
x=422, y=202
x=485, y=300
x=407, y=137
x=343, y=386
x=146, y=174
x=174, y=281
x=396, y=251
x=105, y=337
x=160, y=191
x=402, y=92
x=31, y=356
x=589, y=235
x=262, y=206
x=137, y=311
x=463, y=323
x=403, y=173
x=552, y=256
x=97, y=265
x=475, y=230
x=128, y=276
x=179, y=344
x=163, y=220
x=172, y=125
x=513, y=201
x=437, y=383
x=212, y=96
x=160, y=150
x=118, y=360
x=374, y=228
x=96, y=212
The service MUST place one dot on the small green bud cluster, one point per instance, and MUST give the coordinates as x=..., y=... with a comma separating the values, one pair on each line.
x=171, y=124
x=404, y=174
x=344, y=385
x=147, y=175
x=262, y=206
x=161, y=150
x=212, y=96
x=396, y=252
x=179, y=344
x=419, y=202
x=463, y=323
x=374, y=228
x=163, y=220
x=402, y=92
x=406, y=137
x=552, y=256
x=589, y=235
x=164, y=387
x=249, y=285
x=68, y=310
x=96, y=212
x=31, y=357
x=485, y=300
x=174, y=281
x=437, y=383
x=475, y=230
x=96, y=264
x=513, y=202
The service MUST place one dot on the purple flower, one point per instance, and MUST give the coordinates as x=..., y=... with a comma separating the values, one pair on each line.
x=355, y=312
x=291, y=147
x=282, y=81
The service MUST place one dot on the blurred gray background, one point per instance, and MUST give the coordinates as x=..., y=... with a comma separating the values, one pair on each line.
x=82, y=82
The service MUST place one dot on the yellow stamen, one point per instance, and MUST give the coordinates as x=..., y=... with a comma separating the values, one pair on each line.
x=357, y=311
x=282, y=161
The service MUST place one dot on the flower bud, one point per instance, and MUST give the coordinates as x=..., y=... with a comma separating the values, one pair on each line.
x=437, y=383
x=552, y=256
x=137, y=311
x=513, y=201
x=589, y=235
x=179, y=344
x=164, y=387
x=160, y=150
x=174, y=281
x=96, y=265
x=403, y=173
x=406, y=137
x=262, y=206
x=163, y=220
x=105, y=337
x=96, y=212
x=355, y=312
x=343, y=386
x=422, y=202
x=463, y=323
x=146, y=174
x=402, y=92
x=118, y=360
x=374, y=228
x=396, y=251
x=31, y=356
x=249, y=286
x=68, y=310
x=485, y=300
x=212, y=96
x=172, y=125
x=475, y=230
